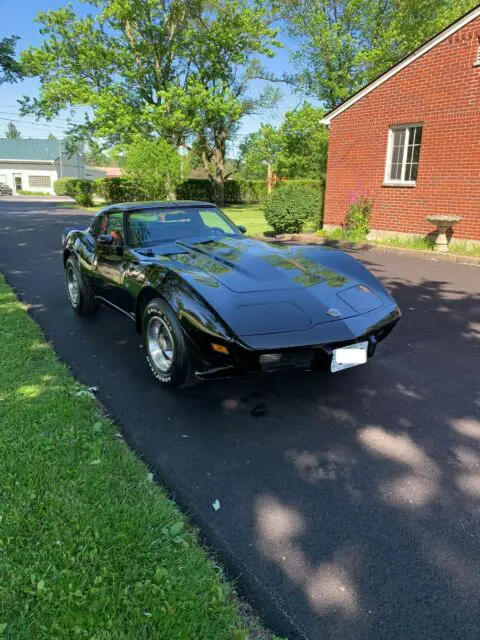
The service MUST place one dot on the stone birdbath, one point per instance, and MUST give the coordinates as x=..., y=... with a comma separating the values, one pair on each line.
x=443, y=223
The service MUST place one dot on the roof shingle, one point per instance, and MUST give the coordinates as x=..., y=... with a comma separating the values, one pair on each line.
x=31, y=149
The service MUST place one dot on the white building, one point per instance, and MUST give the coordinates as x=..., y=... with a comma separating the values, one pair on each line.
x=34, y=165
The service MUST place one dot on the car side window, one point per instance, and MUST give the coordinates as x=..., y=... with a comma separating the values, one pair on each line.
x=96, y=226
x=112, y=225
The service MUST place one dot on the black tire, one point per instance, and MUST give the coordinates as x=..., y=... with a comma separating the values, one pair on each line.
x=164, y=342
x=84, y=302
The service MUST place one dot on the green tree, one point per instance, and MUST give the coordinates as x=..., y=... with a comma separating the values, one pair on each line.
x=51, y=136
x=223, y=61
x=149, y=68
x=297, y=149
x=10, y=70
x=154, y=166
x=261, y=154
x=125, y=61
x=11, y=132
x=305, y=143
x=343, y=44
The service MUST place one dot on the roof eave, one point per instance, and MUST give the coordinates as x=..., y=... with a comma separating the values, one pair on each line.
x=28, y=161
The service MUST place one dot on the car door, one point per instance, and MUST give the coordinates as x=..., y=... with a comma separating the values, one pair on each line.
x=109, y=265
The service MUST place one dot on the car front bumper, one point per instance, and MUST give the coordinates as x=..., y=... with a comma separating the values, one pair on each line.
x=298, y=350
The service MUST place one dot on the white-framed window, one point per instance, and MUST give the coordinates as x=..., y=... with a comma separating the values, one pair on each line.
x=477, y=59
x=39, y=181
x=403, y=154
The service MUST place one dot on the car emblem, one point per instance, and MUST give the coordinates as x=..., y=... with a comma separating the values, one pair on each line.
x=335, y=313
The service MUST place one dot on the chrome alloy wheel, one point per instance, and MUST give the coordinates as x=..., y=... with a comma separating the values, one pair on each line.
x=73, y=286
x=160, y=344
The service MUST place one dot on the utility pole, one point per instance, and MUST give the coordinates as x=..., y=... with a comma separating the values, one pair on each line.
x=61, y=158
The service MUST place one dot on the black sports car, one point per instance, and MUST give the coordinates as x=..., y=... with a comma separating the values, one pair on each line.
x=211, y=301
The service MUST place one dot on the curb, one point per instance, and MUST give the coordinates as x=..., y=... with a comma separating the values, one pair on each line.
x=311, y=239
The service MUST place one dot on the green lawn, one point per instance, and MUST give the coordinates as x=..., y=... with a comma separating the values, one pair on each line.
x=90, y=547
x=251, y=216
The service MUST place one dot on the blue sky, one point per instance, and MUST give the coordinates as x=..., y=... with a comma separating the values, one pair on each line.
x=17, y=17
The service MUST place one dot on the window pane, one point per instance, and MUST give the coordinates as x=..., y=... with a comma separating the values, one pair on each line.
x=399, y=137
x=396, y=172
x=405, y=148
x=153, y=226
x=398, y=144
x=114, y=227
x=39, y=181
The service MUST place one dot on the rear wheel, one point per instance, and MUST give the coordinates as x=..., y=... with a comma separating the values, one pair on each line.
x=81, y=297
x=164, y=342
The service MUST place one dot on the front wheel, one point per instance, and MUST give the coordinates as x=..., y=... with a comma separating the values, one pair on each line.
x=81, y=297
x=164, y=342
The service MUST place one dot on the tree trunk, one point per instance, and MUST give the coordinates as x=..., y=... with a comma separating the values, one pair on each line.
x=270, y=178
x=219, y=173
x=171, y=193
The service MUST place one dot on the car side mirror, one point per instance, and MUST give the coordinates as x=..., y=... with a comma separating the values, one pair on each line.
x=242, y=228
x=105, y=238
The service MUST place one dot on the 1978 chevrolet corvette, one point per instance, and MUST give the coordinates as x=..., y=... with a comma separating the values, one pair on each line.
x=212, y=302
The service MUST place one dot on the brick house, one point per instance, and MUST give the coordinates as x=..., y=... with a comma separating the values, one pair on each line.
x=411, y=138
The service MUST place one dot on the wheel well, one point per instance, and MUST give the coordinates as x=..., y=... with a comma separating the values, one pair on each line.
x=144, y=298
x=66, y=254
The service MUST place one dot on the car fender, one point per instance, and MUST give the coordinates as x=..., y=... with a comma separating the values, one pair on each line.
x=198, y=319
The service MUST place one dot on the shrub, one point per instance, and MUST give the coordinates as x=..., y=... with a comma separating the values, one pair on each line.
x=81, y=191
x=289, y=208
x=115, y=190
x=357, y=220
x=60, y=186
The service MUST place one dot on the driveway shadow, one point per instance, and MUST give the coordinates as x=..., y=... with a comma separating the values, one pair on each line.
x=350, y=503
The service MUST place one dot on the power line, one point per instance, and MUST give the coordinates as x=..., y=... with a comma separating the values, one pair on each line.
x=67, y=120
x=33, y=124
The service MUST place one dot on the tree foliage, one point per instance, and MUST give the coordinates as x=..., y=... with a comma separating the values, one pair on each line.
x=149, y=68
x=343, y=44
x=154, y=166
x=262, y=151
x=296, y=149
x=12, y=132
x=10, y=70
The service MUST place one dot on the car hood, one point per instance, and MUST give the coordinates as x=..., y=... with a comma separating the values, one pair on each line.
x=246, y=266
x=259, y=287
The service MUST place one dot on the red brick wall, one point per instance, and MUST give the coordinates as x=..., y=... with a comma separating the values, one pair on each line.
x=441, y=89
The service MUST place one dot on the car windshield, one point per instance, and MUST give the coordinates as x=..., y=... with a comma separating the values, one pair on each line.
x=149, y=227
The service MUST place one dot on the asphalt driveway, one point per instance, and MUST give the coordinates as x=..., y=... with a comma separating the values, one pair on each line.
x=350, y=504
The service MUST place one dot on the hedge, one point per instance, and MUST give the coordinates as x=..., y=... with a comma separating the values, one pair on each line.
x=236, y=191
x=200, y=189
x=114, y=190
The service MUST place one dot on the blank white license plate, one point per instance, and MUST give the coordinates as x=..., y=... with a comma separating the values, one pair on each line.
x=350, y=356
